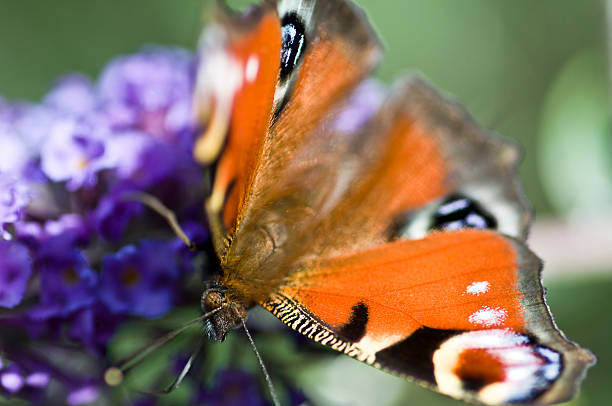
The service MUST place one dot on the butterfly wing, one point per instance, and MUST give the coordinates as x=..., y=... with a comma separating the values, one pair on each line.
x=361, y=240
x=422, y=164
x=233, y=101
x=406, y=271
x=461, y=312
x=284, y=62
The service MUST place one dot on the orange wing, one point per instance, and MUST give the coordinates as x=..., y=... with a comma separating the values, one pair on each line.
x=418, y=152
x=358, y=240
x=260, y=74
x=421, y=163
x=234, y=97
x=461, y=311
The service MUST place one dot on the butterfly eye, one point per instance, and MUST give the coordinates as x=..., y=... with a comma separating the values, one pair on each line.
x=294, y=42
x=213, y=299
x=458, y=211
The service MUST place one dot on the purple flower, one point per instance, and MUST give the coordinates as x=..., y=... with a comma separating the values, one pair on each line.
x=14, y=153
x=140, y=280
x=15, y=270
x=27, y=381
x=35, y=233
x=233, y=388
x=73, y=94
x=151, y=162
x=148, y=162
x=114, y=213
x=157, y=164
x=74, y=152
x=67, y=281
x=68, y=224
x=83, y=395
x=30, y=233
x=93, y=326
x=146, y=400
x=150, y=91
x=65, y=165
x=198, y=235
x=14, y=197
x=30, y=123
x=135, y=143
x=11, y=379
x=297, y=398
x=38, y=379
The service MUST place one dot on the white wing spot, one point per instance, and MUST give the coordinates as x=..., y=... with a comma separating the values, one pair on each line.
x=478, y=288
x=252, y=68
x=488, y=317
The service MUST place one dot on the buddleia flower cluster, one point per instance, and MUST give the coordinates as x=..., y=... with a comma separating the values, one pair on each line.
x=79, y=259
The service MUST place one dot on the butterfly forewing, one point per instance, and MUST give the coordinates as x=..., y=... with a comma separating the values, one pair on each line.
x=331, y=64
x=290, y=61
x=234, y=102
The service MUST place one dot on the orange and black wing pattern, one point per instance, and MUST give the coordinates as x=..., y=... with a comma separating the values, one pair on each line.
x=233, y=101
x=461, y=312
x=261, y=74
x=421, y=269
x=401, y=243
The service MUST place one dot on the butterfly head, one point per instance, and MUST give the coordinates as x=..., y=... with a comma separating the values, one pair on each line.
x=228, y=315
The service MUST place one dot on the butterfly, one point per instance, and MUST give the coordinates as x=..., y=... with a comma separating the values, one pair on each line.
x=401, y=243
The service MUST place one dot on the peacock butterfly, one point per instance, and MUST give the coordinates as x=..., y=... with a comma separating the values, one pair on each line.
x=401, y=244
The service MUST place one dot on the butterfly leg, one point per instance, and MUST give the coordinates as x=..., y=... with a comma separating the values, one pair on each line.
x=156, y=205
x=186, y=368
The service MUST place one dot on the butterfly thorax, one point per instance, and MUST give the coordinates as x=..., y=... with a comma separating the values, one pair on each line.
x=235, y=290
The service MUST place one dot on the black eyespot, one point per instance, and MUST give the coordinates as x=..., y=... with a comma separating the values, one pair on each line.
x=294, y=42
x=458, y=211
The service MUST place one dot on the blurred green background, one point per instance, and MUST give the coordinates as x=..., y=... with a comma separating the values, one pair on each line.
x=535, y=71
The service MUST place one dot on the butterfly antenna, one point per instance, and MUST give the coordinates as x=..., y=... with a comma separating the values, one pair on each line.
x=261, y=364
x=184, y=371
x=114, y=375
x=156, y=205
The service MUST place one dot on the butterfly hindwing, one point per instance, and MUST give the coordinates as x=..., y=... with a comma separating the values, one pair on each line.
x=482, y=188
x=418, y=154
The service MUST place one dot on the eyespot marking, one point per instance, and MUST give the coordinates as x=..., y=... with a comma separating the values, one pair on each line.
x=478, y=368
x=458, y=211
x=495, y=366
x=453, y=212
x=293, y=33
